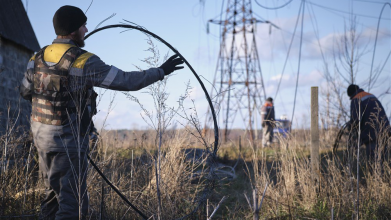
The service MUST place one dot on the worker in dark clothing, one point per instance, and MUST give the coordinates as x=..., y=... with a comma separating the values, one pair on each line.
x=57, y=82
x=268, y=120
x=368, y=116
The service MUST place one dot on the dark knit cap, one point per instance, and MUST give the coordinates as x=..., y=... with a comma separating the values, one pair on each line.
x=270, y=99
x=68, y=19
x=352, y=90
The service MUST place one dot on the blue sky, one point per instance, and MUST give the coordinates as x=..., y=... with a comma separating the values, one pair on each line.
x=183, y=25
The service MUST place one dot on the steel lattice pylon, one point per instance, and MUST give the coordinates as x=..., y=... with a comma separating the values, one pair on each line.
x=238, y=78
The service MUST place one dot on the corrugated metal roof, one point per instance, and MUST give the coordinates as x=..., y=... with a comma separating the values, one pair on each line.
x=15, y=24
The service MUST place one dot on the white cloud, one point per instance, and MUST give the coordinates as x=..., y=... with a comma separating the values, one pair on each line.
x=331, y=43
x=288, y=82
x=196, y=93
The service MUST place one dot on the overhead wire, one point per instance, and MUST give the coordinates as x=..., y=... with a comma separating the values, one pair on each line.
x=89, y=6
x=273, y=8
x=377, y=30
x=217, y=66
x=310, y=41
x=321, y=49
x=315, y=26
x=374, y=49
x=350, y=19
x=350, y=13
x=316, y=30
x=286, y=47
x=257, y=57
x=289, y=49
x=298, y=68
x=369, y=1
x=333, y=9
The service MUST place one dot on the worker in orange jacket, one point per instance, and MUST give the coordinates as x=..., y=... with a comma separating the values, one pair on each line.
x=368, y=121
x=268, y=122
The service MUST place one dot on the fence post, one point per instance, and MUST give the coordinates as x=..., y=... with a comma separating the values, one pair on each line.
x=314, y=133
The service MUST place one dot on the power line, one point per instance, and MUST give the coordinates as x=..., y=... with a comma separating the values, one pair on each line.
x=283, y=40
x=316, y=30
x=374, y=49
x=350, y=19
x=333, y=9
x=320, y=47
x=328, y=49
x=273, y=8
x=377, y=31
x=298, y=68
x=289, y=49
x=369, y=1
x=89, y=6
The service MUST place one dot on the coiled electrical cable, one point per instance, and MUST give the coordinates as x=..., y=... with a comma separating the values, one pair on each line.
x=216, y=133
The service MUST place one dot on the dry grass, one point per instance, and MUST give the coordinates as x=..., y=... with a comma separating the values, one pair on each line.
x=291, y=194
x=181, y=180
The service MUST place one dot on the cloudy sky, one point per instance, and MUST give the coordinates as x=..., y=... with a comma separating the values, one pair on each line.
x=183, y=24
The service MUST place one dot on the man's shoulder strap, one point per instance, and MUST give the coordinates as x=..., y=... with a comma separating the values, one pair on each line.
x=58, y=67
x=82, y=59
x=54, y=52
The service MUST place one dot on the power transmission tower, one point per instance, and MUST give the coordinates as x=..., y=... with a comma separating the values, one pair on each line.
x=238, y=78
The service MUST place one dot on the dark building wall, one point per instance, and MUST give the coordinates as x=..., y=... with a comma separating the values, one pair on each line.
x=13, y=63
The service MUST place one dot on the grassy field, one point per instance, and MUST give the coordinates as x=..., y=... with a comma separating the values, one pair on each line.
x=189, y=182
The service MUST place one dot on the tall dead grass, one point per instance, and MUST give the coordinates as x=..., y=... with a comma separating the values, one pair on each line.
x=182, y=180
x=293, y=193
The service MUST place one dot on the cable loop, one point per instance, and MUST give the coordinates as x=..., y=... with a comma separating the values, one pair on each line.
x=216, y=133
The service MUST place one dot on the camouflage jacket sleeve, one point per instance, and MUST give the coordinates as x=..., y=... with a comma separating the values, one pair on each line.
x=27, y=85
x=96, y=73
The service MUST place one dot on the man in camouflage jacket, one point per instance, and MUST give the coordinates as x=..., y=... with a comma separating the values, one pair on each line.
x=57, y=82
